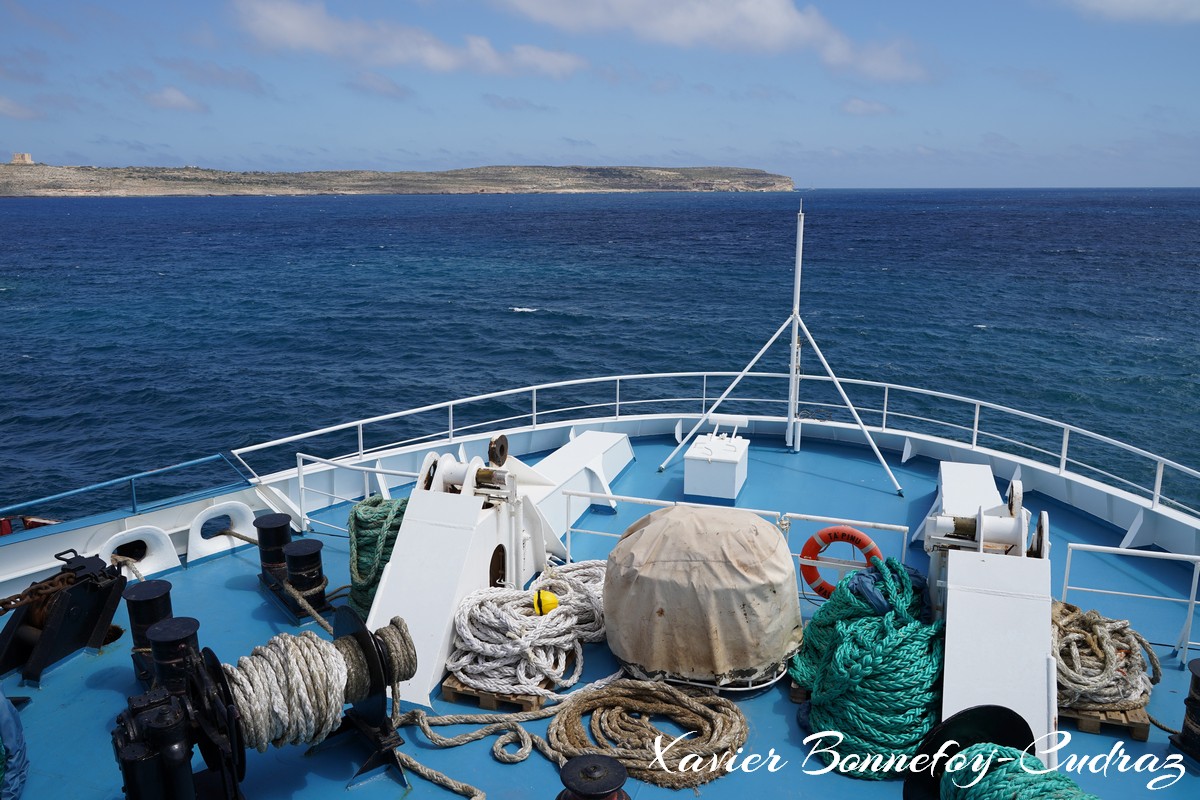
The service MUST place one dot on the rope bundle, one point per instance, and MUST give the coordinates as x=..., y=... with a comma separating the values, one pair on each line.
x=1100, y=661
x=621, y=726
x=1009, y=780
x=373, y=525
x=872, y=677
x=292, y=689
x=502, y=645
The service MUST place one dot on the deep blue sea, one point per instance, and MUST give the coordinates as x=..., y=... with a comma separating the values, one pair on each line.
x=135, y=333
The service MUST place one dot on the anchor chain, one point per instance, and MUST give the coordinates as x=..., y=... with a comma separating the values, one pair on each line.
x=37, y=592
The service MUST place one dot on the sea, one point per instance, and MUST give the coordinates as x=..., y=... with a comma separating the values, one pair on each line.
x=136, y=333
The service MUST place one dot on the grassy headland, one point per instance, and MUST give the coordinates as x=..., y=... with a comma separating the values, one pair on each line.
x=41, y=180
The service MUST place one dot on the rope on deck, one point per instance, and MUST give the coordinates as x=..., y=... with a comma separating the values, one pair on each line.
x=621, y=727
x=504, y=646
x=373, y=525
x=873, y=676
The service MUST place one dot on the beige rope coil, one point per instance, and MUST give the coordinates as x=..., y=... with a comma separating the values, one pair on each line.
x=621, y=727
x=292, y=689
x=1101, y=666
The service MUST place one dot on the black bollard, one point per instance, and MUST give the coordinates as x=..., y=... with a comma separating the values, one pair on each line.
x=274, y=532
x=171, y=641
x=148, y=602
x=1188, y=738
x=305, y=573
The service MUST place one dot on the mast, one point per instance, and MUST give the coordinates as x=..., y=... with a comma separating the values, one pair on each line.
x=792, y=435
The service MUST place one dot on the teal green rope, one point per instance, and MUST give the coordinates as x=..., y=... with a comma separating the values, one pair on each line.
x=874, y=679
x=1017, y=779
x=373, y=526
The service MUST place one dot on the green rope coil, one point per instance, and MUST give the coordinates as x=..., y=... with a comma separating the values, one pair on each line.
x=373, y=525
x=873, y=678
x=1020, y=778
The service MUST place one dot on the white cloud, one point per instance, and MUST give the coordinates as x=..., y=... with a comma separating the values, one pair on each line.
x=858, y=107
x=13, y=109
x=1154, y=10
x=172, y=98
x=308, y=26
x=755, y=25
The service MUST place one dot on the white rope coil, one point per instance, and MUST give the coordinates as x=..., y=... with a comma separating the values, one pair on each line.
x=502, y=645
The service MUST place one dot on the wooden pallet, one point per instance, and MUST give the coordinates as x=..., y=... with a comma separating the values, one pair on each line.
x=455, y=691
x=797, y=694
x=1135, y=720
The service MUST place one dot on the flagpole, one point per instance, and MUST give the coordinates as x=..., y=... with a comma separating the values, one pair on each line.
x=791, y=435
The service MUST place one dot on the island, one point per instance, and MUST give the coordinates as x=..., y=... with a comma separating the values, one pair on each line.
x=43, y=180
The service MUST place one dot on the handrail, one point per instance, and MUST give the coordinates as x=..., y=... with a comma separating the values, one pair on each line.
x=302, y=490
x=781, y=518
x=888, y=416
x=624, y=398
x=127, y=479
x=1184, y=641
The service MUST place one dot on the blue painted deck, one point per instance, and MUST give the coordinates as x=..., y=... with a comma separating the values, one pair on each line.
x=69, y=722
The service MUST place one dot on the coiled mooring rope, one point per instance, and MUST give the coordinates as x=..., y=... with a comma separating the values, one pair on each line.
x=1021, y=777
x=872, y=677
x=292, y=689
x=503, y=645
x=621, y=726
x=373, y=525
x=1101, y=665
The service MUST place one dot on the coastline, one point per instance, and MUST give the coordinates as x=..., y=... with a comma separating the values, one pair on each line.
x=42, y=180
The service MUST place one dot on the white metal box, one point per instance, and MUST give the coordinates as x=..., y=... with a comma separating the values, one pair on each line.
x=715, y=466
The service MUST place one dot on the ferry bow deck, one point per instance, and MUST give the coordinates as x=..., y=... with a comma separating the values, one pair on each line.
x=69, y=721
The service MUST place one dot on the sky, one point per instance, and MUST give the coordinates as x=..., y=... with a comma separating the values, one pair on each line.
x=849, y=94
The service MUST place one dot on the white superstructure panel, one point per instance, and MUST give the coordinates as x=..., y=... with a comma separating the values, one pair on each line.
x=998, y=649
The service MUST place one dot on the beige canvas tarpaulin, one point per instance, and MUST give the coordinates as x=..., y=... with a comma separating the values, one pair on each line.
x=704, y=594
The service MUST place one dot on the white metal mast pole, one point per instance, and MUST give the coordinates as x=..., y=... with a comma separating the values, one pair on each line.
x=791, y=435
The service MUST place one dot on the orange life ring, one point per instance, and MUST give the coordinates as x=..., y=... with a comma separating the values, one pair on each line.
x=822, y=539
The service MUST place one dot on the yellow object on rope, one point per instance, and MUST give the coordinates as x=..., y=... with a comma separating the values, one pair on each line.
x=544, y=602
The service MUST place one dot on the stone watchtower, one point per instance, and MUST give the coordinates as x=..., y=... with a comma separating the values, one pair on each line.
x=22, y=158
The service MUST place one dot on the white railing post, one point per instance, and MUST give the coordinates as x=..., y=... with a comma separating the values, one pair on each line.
x=975, y=428
x=1062, y=460
x=1158, y=476
x=704, y=394
x=1185, y=636
x=567, y=513
x=300, y=481
x=534, y=402
x=1067, y=574
x=450, y=422
x=883, y=424
x=361, y=456
x=618, y=408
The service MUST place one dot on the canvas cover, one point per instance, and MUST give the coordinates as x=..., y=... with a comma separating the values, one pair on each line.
x=703, y=594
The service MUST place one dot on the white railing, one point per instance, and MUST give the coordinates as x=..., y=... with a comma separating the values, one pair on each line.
x=1184, y=641
x=527, y=406
x=781, y=519
x=304, y=490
